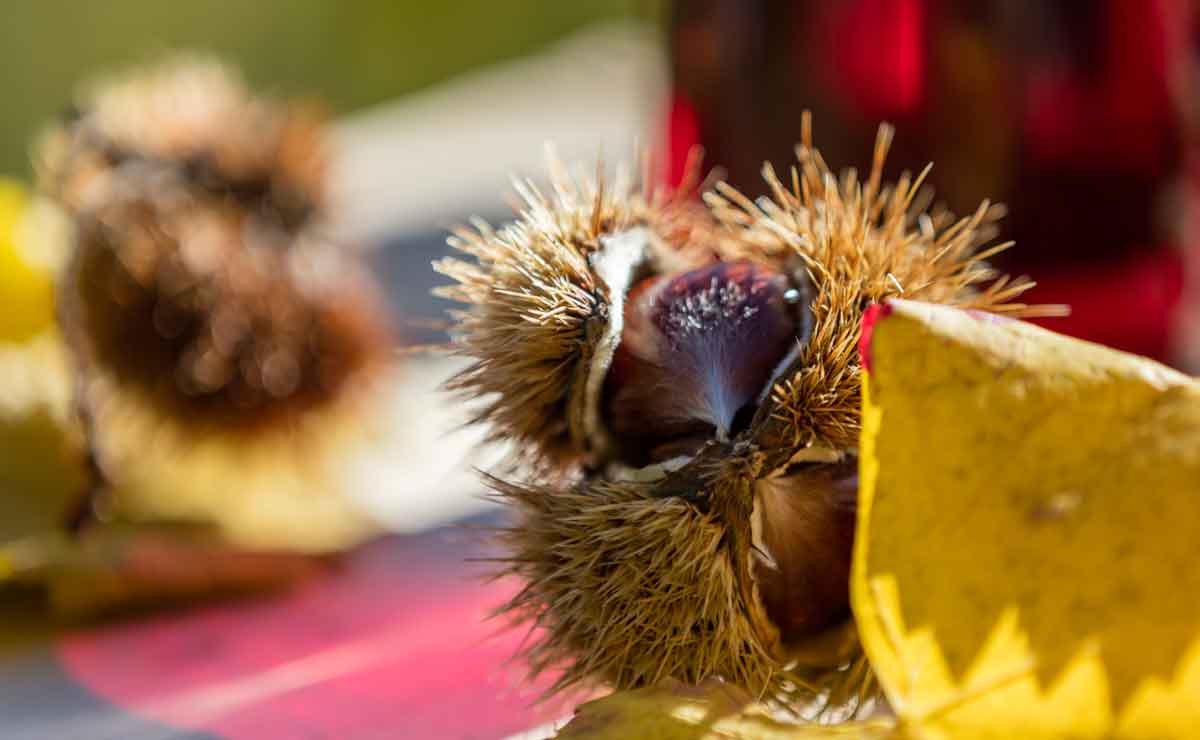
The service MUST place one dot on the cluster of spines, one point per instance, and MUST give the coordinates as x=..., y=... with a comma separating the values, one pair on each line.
x=196, y=207
x=628, y=589
x=861, y=243
x=533, y=298
x=194, y=118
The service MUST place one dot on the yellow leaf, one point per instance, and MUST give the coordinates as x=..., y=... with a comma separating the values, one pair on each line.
x=712, y=711
x=26, y=290
x=1026, y=562
x=39, y=455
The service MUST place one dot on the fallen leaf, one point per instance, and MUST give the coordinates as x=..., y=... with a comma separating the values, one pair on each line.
x=1026, y=561
x=710, y=711
x=39, y=469
x=27, y=291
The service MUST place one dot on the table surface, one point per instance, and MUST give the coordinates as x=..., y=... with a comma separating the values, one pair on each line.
x=393, y=642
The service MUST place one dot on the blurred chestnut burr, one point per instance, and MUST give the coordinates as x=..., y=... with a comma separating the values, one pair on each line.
x=216, y=330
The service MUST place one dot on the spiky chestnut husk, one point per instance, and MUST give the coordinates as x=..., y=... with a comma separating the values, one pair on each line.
x=730, y=562
x=191, y=118
x=860, y=243
x=542, y=305
x=220, y=328
x=227, y=357
x=196, y=281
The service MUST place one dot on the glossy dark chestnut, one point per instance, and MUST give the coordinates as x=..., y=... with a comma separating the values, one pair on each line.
x=806, y=539
x=696, y=352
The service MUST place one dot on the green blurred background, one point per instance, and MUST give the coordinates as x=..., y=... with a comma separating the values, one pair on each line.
x=352, y=53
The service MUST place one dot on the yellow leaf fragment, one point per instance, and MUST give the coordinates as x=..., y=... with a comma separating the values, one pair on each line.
x=711, y=711
x=38, y=450
x=39, y=445
x=1026, y=561
x=26, y=290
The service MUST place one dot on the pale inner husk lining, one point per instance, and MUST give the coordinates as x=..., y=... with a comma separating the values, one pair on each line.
x=616, y=263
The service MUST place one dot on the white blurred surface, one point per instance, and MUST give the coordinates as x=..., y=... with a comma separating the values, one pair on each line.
x=431, y=159
x=424, y=474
